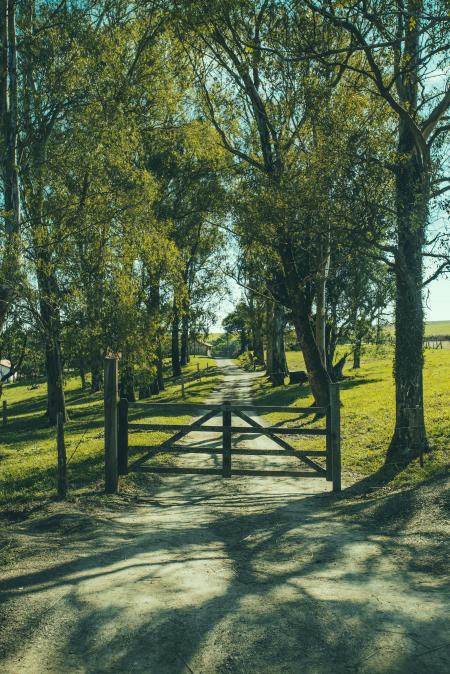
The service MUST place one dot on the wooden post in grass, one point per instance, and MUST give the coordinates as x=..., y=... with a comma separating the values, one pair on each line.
x=335, y=427
x=62, y=459
x=328, y=458
x=110, y=403
x=226, y=457
x=122, y=437
x=182, y=386
x=5, y=413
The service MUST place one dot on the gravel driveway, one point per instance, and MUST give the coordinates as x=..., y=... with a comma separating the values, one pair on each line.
x=246, y=575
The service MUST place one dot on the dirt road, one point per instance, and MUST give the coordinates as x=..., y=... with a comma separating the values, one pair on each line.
x=212, y=576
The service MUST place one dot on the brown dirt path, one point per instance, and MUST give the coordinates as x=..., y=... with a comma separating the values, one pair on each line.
x=241, y=576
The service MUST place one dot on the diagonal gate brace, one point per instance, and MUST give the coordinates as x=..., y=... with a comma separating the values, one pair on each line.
x=170, y=441
x=309, y=462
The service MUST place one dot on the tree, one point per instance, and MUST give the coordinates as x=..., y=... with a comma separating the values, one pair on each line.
x=395, y=47
x=258, y=108
x=10, y=236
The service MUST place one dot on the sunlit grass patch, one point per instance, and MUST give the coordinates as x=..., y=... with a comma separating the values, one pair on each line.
x=28, y=446
x=368, y=413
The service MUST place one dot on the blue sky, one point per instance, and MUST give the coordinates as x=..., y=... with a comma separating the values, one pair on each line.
x=437, y=303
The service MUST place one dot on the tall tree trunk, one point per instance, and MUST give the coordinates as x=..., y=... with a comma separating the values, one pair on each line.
x=127, y=384
x=154, y=313
x=268, y=332
x=185, y=337
x=55, y=381
x=318, y=376
x=278, y=368
x=321, y=317
x=244, y=341
x=49, y=307
x=11, y=255
x=409, y=438
x=300, y=306
x=53, y=361
x=82, y=373
x=357, y=354
x=176, y=364
x=94, y=293
x=96, y=374
x=258, y=343
x=159, y=366
x=412, y=200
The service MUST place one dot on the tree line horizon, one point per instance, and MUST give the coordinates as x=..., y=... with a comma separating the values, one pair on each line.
x=140, y=140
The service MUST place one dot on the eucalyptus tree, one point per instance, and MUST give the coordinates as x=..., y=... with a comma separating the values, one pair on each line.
x=49, y=88
x=401, y=51
x=11, y=206
x=258, y=104
x=192, y=171
x=86, y=189
x=286, y=123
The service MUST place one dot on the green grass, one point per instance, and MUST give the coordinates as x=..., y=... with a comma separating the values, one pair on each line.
x=437, y=328
x=431, y=328
x=28, y=447
x=368, y=414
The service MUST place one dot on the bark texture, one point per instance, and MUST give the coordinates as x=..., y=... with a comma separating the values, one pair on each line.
x=409, y=438
x=176, y=362
x=10, y=260
x=277, y=367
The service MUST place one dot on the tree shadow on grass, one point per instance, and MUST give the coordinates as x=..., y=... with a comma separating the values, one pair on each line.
x=290, y=393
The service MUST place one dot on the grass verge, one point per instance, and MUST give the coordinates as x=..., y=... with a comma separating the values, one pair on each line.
x=368, y=416
x=28, y=445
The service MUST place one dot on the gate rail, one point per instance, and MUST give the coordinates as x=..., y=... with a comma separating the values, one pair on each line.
x=332, y=451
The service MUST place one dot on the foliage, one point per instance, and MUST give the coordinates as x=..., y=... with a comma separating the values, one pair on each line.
x=29, y=446
x=368, y=414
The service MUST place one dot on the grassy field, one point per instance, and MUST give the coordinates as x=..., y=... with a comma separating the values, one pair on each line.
x=431, y=328
x=28, y=448
x=368, y=414
x=437, y=328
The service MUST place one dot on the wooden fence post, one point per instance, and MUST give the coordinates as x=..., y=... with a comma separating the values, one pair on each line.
x=335, y=424
x=226, y=457
x=122, y=437
x=329, y=445
x=62, y=459
x=4, y=413
x=110, y=401
x=182, y=387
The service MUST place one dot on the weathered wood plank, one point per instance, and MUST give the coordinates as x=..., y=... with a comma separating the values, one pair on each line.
x=181, y=471
x=110, y=405
x=226, y=440
x=122, y=437
x=247, y=407
x=264, y=409
x=261, y=430
x=190, y=449
x=276, y=473
x=335, y=412
x=282, y=443
x=177, y=406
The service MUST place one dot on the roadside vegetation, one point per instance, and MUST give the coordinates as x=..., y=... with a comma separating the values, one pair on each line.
x=28, y=449
x=368, y=416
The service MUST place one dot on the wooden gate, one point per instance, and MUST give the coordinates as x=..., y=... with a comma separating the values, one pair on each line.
x=329, y=470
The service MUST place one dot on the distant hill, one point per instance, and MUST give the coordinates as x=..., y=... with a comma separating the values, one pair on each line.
x=437, y=328
x=431, y=328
